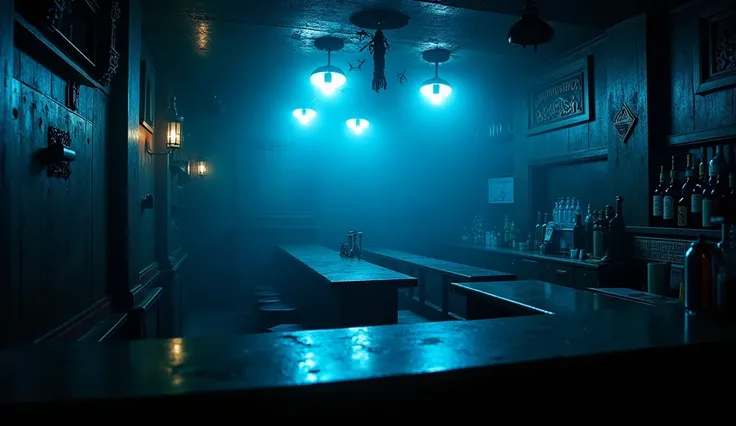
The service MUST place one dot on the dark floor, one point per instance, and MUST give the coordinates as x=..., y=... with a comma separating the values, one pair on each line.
x=207, y=324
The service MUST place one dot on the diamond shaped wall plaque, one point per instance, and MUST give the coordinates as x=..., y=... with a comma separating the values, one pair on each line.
x=624, y=122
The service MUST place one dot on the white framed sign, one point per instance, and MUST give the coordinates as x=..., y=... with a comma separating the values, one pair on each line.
x=501, y=190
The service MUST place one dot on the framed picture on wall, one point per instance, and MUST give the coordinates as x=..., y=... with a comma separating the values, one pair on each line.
x=501, y=190
x=148, y=95
x=561, y=98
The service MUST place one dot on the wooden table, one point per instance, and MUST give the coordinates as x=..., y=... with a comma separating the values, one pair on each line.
x=530, y=297
x=433, y=298
x=342, y=292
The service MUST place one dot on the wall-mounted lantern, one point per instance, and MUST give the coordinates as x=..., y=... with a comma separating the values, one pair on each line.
x=202, y=168
x=173, y=131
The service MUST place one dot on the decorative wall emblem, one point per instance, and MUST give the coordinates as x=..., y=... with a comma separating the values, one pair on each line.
x=624, y=122
x=561, y=99
x=715, y=60
x=58, y=141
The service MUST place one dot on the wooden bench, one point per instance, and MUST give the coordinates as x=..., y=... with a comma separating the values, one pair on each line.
x=433, y=299
x=486, y=300
x=340, y=292
x=112, y=328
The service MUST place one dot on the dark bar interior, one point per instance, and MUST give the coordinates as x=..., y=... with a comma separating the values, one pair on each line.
x=334, y=206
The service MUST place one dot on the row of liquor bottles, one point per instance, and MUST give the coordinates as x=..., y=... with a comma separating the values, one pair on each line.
x=599, y=234
x=702, y=196
x=565, y=210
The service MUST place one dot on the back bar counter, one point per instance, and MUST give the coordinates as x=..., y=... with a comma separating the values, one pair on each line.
x=585, y=360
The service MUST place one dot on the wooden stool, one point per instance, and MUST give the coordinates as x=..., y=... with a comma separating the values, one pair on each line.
x=273, y=314
x=286, y=327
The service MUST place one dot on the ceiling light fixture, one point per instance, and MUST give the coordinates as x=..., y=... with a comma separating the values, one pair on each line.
x=304, y=115
x=529, y=30
x=357, y=125
x=436, y=89
x=328, y=78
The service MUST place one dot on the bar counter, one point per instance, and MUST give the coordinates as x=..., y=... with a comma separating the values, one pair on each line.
x=589, y=355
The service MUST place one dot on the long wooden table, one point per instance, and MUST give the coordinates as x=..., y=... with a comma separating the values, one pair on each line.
x=433, y=298
x=342, y=292
x=486, y=300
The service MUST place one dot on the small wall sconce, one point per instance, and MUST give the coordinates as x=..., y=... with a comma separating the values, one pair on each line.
x=202, y=169
x=173, y=131
x=147, y=202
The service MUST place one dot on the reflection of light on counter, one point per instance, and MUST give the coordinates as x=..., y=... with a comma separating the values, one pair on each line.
x=360, y=342
x=309, y=366
x=176, y=359
x=202, y=35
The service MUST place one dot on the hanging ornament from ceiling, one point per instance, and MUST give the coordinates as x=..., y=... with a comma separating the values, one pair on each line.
x=529, y=30
x=378, y=20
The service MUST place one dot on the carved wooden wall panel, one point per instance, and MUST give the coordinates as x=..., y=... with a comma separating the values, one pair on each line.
x=62, y=222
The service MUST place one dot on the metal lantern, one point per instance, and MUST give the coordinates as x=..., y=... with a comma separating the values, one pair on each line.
x=202, y=167
x=173, y=128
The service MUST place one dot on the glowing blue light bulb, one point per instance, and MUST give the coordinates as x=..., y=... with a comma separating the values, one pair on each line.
x=357, y=125
x=436, y=90
x=328, y=79
x=304, y=115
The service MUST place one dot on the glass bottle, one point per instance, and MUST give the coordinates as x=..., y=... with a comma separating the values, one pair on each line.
x=556, y=212
x=671, y=196
x=589, y=224
x=684, y=204
x=617, y=231
x=696, y=205
x=567, y=211
x=657, y=200
x=719, y=193
x=708, y=190
x=577, y=207
x=537, y=230
x=578, y=234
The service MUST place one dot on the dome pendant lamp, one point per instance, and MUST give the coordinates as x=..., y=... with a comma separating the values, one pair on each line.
x=436, y=89
x=529, y=30
x=328, y=78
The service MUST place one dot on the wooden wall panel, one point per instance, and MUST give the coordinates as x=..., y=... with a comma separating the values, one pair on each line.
x=690, y=111
x=146, y=218
x=628, y=162
x=58, y=278
x=8, y=178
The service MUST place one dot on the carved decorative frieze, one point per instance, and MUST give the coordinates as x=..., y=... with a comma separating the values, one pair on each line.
x=660, y=249
x=59, y=169
x=113, y=57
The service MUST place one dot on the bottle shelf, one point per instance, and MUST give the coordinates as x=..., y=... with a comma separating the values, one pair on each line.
x=714, y=234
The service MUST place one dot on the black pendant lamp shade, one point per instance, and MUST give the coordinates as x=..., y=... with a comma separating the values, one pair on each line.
x=529, y=30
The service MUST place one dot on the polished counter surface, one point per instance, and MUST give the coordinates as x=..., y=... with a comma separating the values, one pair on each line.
x=541, y=297
x=453, y=269
x=340, y=270
x=308, y=362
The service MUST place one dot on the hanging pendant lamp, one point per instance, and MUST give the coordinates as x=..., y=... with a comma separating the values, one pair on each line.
x=304, y=115
x=529, y=30
x=436, y=89
x=358, y=125
x=328, y=78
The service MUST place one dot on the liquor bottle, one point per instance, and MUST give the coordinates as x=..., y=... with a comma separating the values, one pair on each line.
x=707, y=191
x=578, y=234
x=657, y=200
x=719, y=193
x=538, y=230
x=556, y=212
x=696, y=204
x=607, y=228
x=566, y=213
x=506, y=240
x=617, y=230
x=683, y=206
x=700, y=286
x=671, y=196
x=589, y=224
x=577, y=207
x=544, y=230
